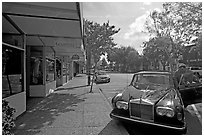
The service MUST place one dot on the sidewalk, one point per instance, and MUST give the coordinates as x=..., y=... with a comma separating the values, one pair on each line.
x=70, y=110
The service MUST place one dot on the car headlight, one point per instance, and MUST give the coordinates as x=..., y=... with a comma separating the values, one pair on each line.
x=122, y=105
x=169, y=112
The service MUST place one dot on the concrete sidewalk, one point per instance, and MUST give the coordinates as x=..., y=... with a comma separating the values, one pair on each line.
x=70, y=110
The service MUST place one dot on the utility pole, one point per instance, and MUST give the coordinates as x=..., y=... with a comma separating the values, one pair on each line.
x=88, y=61
x=88, y=65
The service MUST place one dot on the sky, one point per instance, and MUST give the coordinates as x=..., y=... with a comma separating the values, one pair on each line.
x=128, y=16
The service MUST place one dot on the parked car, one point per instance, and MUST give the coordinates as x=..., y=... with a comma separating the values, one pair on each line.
x=151, y=98
x=101, y=77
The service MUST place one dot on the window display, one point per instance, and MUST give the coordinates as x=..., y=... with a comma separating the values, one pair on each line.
x=58, y=68
x=50, y=68
x=36, y=66
x=50, y=64
x=12, y=78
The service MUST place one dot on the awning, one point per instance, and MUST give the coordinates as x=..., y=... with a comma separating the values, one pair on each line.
x=55, y=24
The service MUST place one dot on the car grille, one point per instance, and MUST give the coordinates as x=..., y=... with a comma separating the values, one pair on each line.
x=142, y=110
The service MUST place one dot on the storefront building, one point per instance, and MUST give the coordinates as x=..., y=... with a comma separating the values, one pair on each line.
x=42, y=48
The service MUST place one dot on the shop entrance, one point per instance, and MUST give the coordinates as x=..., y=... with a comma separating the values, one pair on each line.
x=76, y=68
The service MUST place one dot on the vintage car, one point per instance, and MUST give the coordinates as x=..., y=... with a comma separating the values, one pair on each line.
x=151, y=98
x=101, y=77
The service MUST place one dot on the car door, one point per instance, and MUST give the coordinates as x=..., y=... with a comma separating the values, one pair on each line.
x=190, y=89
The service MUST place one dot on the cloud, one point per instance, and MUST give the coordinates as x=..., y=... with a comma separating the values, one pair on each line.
x=142, y=8
x=136, y=28
x=157, y=9
x=108, y=16
x=147, y=3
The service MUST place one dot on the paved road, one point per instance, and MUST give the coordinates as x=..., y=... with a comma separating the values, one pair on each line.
x=120, y=81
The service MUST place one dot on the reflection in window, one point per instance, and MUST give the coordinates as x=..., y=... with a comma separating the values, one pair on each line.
x=58, y=68
x=36, y=70
x=50, y=64
x=36, y=66
x=11, y=71
x=188, y=79
x=15, y=40
x=64, y=66
x=50, y=68
x=154, y=79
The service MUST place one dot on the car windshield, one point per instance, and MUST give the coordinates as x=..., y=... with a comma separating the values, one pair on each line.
x=151, y=81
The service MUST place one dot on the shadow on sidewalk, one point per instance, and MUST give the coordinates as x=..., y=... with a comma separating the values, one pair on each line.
x=69, y=88
x=45, y=112
x=112, y=128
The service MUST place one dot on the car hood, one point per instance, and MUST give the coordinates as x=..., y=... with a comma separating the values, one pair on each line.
x=148, y=95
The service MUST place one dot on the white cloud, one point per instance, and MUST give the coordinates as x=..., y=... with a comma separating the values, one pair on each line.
x=136, y=28
x=157, y=9
x=147, y=3
x=142, y=8
x=108, y=16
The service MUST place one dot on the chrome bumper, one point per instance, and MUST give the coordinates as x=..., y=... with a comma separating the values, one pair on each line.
x=115, y=116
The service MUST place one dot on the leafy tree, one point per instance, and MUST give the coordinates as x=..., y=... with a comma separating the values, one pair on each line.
x=124, y=58
x=187, y=19
x=98, y=41
x=171, y=29
x=133, y=61
x=98, y=38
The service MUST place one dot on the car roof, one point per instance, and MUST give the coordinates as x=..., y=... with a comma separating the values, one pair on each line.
x=153, y=72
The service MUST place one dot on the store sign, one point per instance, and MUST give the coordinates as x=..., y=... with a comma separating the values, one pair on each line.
x=75, y=57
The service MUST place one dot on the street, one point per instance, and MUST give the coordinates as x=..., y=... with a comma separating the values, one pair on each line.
x=119, y=81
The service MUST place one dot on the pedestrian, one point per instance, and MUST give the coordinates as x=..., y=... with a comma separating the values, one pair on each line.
x=184, y=76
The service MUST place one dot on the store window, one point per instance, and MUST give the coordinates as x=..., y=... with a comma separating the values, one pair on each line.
x=12, y=70
x=50, y=64
x=64, y=66
x=36, y=65
x=58, y=68
x=15, y=40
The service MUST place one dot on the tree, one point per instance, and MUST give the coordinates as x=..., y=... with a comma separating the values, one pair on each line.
x=124, y=58
x=157, y=52
x=187, y=18
x=99, y=38
x=98, y=41
x=171, y=29
x=133, y=61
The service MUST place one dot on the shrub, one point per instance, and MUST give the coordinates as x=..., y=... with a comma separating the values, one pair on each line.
x=7, y=118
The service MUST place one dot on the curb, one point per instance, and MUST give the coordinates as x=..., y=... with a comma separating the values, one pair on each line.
x=122, y=129
x=107, y=101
